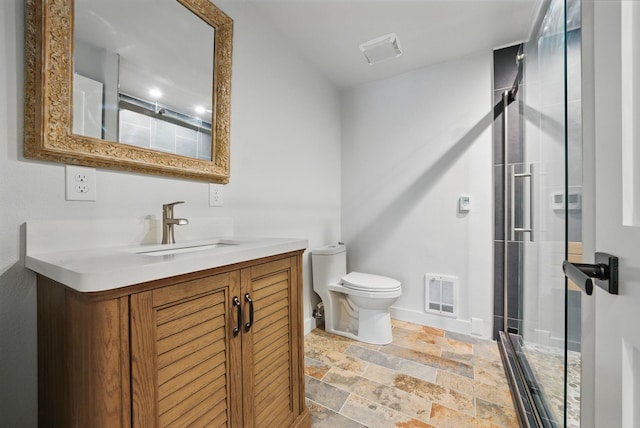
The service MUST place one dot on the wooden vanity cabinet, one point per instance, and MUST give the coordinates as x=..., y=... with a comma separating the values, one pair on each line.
x=172, y=352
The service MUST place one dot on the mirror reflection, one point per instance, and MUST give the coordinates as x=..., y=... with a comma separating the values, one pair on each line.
x=143, y=75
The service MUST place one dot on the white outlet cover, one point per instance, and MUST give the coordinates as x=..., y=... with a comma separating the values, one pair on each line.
x=216, y=195
x=80, y=183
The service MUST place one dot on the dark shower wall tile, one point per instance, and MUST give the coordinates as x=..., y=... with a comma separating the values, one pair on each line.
x=498, y=218
x=498, y=326
x=505, y=72
x=514, y=325
x=514, y=125
x=505, y=68
x=498, y=150
x=514, y=250
x=515, y=137
x=498, y=276
x=514, y=280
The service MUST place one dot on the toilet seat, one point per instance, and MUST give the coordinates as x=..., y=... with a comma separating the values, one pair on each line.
x=371, y=283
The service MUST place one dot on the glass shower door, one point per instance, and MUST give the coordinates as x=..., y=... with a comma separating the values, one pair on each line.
x=545, y=221
x=543, y=311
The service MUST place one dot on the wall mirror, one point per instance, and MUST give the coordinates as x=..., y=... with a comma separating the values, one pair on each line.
x=137, y=85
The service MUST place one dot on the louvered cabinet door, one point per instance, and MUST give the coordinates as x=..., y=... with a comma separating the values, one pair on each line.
x=185, y=366
x=270, y=348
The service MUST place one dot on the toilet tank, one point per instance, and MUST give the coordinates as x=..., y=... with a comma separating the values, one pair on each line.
x=329, y=264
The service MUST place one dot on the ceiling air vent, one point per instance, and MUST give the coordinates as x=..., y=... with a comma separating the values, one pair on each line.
x=381, y=48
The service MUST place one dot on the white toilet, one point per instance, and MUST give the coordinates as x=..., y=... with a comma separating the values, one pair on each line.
x=356, y=305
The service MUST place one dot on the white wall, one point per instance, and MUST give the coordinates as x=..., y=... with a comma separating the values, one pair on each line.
x=412, y=145
x=285, y=179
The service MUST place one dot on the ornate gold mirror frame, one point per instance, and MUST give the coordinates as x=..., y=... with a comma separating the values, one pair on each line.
x=48, y=99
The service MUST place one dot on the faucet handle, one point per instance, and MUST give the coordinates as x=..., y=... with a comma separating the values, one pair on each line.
x=171, y=205
x=167, y=209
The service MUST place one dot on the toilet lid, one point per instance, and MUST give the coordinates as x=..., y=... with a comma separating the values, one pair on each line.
x=368, y=282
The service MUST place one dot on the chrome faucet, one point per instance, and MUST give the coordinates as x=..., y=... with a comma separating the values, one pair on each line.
x=168, y=222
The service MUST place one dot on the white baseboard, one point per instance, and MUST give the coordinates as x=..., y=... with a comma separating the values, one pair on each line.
x=309, y=325
x=455, y=325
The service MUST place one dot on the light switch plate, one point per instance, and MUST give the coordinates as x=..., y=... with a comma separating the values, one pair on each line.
x=80, y=183
x=464, y=204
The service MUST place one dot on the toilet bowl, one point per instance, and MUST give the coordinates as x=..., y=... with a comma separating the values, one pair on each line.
x=356, y=305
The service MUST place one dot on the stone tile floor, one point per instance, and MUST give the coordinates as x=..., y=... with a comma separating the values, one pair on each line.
x=426, y=378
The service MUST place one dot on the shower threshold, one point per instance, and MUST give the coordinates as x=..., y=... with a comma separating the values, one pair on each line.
x=530, y=403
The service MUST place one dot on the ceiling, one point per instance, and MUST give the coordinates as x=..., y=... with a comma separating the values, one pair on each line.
x=329, y=32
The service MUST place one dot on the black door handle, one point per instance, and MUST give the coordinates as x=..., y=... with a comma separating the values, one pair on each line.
x=605, y=271
x=236, y=302
x=248, y=325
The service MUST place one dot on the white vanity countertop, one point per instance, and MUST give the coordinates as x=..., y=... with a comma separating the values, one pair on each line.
x=100, y=269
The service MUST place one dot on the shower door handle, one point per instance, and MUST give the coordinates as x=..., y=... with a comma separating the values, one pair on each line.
x=523, y=175
x=605, y=271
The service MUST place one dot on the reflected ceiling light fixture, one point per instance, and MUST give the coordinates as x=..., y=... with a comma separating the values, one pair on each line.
x=155, y=93
x=381, y=48
x=200, y=109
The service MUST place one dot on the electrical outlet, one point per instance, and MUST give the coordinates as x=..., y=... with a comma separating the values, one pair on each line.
x=80, y=183
x=216, y=197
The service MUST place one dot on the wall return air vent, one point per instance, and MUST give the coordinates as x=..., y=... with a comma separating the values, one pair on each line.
x=440, y=294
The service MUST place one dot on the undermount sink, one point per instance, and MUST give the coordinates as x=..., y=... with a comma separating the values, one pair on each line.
x=177, y=249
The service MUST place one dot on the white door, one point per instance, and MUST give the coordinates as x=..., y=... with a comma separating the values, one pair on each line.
x=616, y=59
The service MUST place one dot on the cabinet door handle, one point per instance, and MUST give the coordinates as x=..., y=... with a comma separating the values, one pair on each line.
x=236, y=302
x=248, y=325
